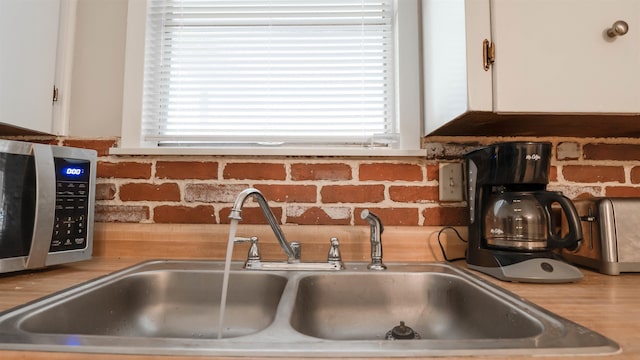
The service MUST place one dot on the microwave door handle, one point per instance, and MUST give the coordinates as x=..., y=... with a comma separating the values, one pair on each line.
x=45, y=206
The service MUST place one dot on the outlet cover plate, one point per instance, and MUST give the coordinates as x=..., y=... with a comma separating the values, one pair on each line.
x=451, y=182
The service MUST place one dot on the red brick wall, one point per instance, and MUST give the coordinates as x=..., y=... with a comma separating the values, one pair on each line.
x=332, y=190
x=201, y=189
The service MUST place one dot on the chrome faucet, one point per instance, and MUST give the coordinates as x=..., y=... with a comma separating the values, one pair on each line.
x=291, y=249
x=376, y=228
x=293, y=256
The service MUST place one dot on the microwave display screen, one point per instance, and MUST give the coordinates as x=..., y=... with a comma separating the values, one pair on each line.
x=72, y=169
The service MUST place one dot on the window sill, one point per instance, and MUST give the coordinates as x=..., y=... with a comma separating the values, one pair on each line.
x=258, y=151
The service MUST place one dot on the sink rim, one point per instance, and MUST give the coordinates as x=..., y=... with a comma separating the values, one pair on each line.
x=281, y=339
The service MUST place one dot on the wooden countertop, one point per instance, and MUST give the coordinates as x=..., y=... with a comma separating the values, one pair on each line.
x=606, y=304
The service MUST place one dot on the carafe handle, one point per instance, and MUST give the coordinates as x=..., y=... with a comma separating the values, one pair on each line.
x=570, y=240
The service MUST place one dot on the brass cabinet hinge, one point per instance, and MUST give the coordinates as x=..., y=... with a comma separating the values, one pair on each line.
x=488, y=54
x=55, y=93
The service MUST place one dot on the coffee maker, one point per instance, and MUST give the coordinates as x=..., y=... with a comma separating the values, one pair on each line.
x=512, y=223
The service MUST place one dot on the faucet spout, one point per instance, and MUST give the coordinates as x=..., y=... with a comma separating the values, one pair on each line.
x=236, y=214
x=376, y=239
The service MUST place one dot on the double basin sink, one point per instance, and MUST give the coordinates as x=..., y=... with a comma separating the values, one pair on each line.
x=172, y=307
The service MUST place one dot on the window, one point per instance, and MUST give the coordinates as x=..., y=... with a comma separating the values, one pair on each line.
x=283, y=75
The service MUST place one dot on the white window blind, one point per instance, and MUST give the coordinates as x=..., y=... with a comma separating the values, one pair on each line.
x=269, y=72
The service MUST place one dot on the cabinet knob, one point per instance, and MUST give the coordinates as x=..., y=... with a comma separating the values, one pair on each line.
x=618, y=28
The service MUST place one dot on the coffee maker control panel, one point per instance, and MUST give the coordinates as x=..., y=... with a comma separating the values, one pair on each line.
x=472, y=177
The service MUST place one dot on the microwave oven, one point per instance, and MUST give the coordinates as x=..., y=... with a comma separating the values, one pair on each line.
x=47, y=196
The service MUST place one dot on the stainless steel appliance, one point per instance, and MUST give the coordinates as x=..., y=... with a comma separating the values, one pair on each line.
x=611, y=241
x=512, y=233
x=47, y=196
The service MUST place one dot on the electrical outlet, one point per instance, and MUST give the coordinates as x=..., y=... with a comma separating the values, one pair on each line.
x=451, y=182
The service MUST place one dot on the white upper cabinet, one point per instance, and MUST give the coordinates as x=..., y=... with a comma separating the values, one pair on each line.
x=28, y=45
x=551, y=57
x=453, y=75
x=556, y=56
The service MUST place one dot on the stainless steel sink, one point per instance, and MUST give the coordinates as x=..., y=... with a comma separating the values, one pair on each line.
x=171, y=307
x=434, y=305
x=164, y=303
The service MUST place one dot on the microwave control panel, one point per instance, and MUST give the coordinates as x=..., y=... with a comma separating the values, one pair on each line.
x=72, y=204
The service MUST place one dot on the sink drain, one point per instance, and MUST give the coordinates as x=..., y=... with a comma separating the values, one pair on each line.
x=401, y=332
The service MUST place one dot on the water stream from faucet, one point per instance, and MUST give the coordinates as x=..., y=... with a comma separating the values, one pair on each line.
x=225, y=280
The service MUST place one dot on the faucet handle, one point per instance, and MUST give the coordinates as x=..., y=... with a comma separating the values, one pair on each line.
x=254, y=252
x=334, y=256
x=334, y=250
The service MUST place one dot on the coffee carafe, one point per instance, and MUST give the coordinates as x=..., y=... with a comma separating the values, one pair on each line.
x=513, y=227
x=522, y=221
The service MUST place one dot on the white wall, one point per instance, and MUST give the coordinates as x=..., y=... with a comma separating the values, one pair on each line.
x=98, y=68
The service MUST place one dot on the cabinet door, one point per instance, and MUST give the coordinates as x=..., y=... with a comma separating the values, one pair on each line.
x=28, y=43
x=555, y=56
